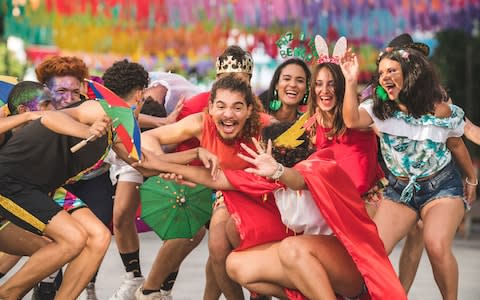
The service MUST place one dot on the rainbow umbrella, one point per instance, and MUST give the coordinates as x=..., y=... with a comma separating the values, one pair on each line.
x=6, y=85
x=121, y=113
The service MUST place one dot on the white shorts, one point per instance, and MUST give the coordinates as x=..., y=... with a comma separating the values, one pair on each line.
x=121, y=171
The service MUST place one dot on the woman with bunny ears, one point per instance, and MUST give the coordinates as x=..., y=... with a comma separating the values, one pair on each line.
x=354, y=150
x=419, y=134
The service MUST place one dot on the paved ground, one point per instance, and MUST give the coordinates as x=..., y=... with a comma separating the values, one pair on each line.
x=191, y=280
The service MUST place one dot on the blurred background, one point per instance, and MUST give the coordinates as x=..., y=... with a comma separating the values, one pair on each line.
x=185, y=36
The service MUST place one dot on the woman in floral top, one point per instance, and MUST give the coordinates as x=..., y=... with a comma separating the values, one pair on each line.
x=419, y=133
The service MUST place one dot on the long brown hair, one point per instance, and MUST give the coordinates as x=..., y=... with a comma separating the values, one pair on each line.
x=421, y=88
x=338, y=126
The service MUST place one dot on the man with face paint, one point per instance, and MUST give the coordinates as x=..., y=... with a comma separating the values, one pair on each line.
x=64, y=76
x=35, y=161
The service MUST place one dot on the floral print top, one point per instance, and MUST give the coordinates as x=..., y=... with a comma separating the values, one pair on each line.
x=416, y=147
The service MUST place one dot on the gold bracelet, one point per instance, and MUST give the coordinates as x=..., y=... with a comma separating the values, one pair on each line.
x=469, y=183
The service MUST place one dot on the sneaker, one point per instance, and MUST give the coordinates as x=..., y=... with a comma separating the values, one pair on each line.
x=127, y=289
x=162, y=295
x=166, y=295
x=91, y=294
x=44, y=291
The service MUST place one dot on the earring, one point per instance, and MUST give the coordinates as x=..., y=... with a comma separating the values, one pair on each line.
x=275, y=104
x=305, y=97
x=381, y=93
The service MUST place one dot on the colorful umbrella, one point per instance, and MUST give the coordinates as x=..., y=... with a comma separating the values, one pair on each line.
x=6, y=85
x=173, y=210
x=121, y=113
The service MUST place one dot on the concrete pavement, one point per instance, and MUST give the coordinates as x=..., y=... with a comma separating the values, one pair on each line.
x=191, y=279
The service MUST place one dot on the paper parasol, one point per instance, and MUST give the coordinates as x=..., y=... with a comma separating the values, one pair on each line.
x=173, y=210
x=123, y=118
x=6, y=85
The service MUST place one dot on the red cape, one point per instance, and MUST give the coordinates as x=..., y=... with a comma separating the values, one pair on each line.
x=339, y=202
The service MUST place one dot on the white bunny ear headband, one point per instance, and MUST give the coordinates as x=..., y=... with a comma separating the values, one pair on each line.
x=322, y=50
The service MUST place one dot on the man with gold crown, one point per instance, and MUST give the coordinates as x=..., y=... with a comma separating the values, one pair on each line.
x=233, y=116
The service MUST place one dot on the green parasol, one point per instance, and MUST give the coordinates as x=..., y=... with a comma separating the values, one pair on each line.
x=173, y=210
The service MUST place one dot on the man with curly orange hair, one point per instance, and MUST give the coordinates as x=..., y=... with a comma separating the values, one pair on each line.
x=63, y=75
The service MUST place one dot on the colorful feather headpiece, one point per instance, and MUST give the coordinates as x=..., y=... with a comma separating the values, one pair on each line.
x=322, y=50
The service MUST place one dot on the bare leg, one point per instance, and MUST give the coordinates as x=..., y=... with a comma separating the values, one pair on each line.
x=259, y=269
x=83, y=267
x=371, y=209
x=219, y=247
x=212, y=290
x=127, y=199
x=169, y=258
x=7, y=262
x=17, y=241
x=320, y=266
x=411, y=255
x=393, y=222
x=69, y=238
x=441, y=219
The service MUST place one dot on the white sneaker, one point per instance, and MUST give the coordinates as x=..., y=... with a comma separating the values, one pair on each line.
x=91, y=294
x=126, y=291
x=166, y=295
x=162, y=295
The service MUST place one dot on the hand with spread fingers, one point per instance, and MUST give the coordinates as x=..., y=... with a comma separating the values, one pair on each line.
x=265, y=164
x=349, y=65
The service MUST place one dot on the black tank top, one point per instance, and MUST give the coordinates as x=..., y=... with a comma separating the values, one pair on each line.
x=36, y=155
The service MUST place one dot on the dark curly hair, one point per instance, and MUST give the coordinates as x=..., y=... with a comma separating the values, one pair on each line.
x=123, y=77
x=421, y=87
x=276, y=77
x=338, y=127
x=61, y=66
x=234, y=83
x=285, y=156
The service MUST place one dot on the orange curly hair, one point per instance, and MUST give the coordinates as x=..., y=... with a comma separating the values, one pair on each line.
x=61, y=66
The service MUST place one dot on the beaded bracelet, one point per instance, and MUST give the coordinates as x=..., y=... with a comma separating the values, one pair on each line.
x=278, y=173
x=469, y=183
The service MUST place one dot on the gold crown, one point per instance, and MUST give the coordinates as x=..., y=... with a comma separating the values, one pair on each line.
x=231, y=65
x=289, y=139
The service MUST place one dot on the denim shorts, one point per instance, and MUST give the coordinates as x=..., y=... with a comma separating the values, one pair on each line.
x=445, y=183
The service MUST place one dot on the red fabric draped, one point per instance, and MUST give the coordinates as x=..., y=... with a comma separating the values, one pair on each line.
x=339, y=203
x=254, y=209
